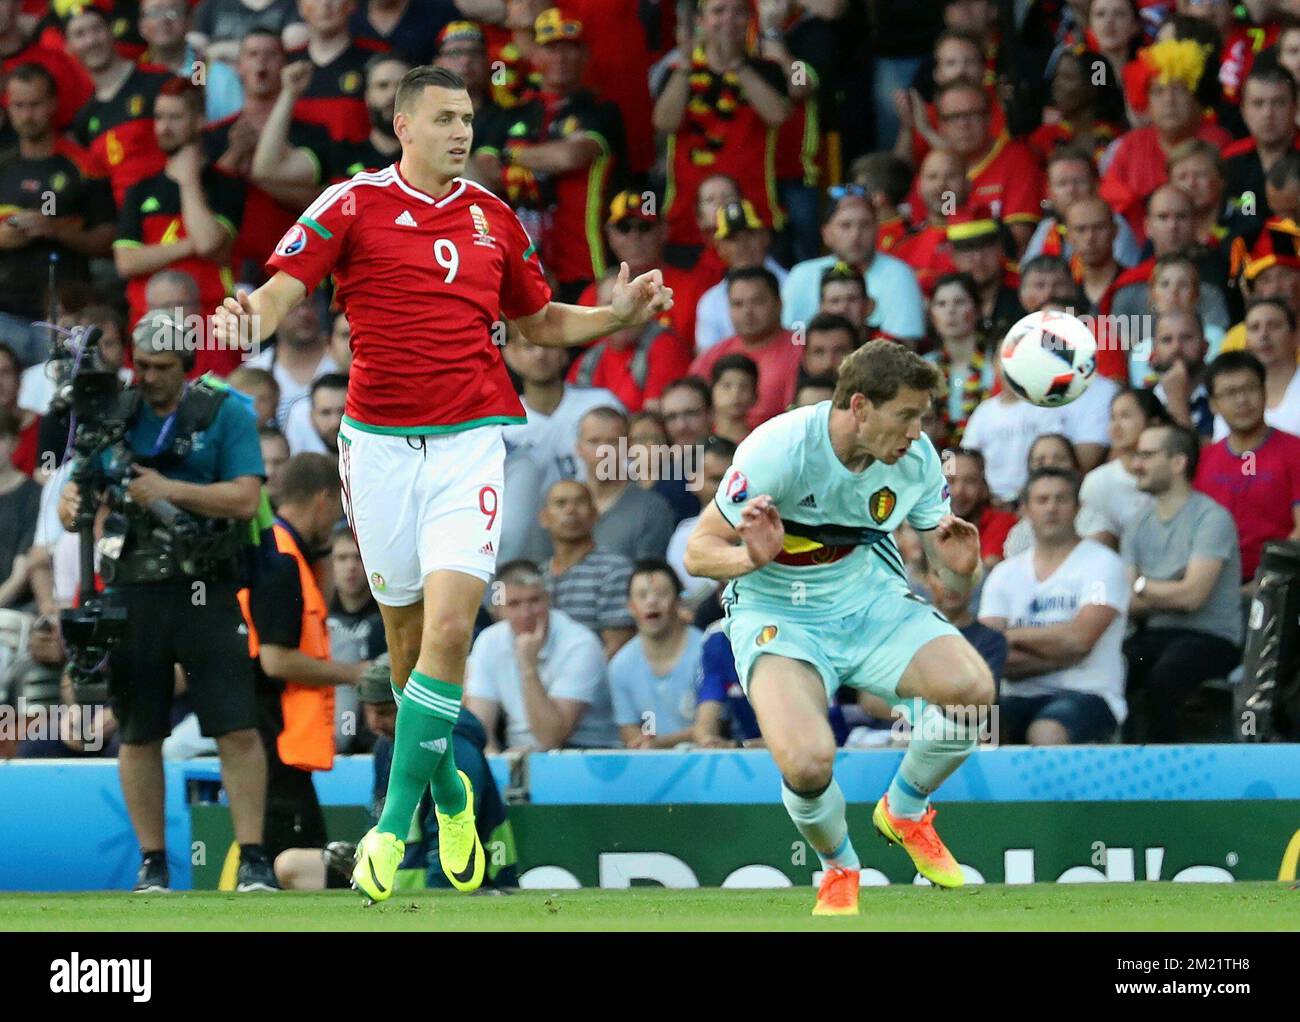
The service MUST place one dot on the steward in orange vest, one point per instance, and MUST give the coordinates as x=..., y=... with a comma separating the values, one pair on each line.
x=288, y=639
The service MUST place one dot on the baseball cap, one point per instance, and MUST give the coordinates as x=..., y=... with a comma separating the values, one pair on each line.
x=553, y=27
x=737, y=216
x=376, y=684
x=460, y=32
x=973, y=227
x=630, y=206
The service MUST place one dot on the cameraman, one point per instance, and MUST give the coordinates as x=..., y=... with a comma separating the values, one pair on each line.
x=196, y=449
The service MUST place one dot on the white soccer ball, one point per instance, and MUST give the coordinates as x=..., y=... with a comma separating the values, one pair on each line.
x=1049, y=358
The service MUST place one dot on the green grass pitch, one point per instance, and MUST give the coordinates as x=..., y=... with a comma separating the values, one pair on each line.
x=1135, y=906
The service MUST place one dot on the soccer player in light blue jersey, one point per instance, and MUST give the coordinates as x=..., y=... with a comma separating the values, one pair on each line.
x=818, y=597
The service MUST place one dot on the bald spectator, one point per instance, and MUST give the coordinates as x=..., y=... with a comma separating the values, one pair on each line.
x=587, y=583
x=1170, y=227
x=629, y=520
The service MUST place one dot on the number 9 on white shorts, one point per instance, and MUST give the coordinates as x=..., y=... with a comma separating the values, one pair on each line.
x=419, y=504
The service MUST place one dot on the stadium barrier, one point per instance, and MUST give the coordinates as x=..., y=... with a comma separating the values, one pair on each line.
x=1118, y=813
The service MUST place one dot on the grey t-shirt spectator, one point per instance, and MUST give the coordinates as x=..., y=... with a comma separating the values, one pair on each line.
x=639, y=692
x=222, y=20
x=594, y=591
x=639, y=524
x=1162, y=550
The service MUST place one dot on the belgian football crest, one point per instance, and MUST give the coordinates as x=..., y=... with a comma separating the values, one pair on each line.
x=882, y=503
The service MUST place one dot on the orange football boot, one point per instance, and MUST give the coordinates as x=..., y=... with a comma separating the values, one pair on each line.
x=920, y=840
x=838, y=894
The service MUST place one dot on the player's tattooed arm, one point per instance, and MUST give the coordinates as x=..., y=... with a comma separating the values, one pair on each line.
x=953, y=546
x=635, y=301
x=718, y=550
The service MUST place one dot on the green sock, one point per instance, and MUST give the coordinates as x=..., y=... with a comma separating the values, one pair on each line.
x=422, y=754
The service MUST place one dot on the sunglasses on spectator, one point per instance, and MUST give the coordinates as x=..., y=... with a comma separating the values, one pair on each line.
x=838, y=192
x=639, y=226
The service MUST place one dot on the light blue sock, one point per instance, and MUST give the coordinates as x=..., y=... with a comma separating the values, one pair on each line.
x=821, y=820
x=934, y=751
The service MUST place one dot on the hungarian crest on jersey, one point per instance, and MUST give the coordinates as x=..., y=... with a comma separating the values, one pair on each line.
x=481, y=234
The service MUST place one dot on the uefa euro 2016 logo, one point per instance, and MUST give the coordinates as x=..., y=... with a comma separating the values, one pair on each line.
x=738, y=487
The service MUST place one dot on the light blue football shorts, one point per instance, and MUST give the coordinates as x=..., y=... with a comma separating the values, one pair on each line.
x=868, y=648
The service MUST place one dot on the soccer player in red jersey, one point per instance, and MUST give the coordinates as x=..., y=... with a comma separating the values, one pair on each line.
x=426, y=263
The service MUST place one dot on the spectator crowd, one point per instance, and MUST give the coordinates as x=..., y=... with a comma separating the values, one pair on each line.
x=809, y=175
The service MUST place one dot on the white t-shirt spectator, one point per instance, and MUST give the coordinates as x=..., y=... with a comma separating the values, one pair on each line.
x=1087, y=417
x=1108, y=499
x=552, y=439
x=1003, y=431
x=299, y=433
x=571, y=666
x=664, y=702
x=1286, y=416
x=1092, y=573
x=713, y=311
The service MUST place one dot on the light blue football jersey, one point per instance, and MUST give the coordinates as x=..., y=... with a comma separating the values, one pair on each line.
x=837, y=546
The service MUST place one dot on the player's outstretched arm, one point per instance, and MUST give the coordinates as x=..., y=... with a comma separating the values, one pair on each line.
x=636, y=301
x=247, y=319
x=718, y=550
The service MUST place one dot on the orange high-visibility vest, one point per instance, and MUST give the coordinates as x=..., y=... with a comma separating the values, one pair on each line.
x=307, y=740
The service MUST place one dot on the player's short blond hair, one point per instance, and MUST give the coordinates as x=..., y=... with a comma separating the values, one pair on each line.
x=879, y=369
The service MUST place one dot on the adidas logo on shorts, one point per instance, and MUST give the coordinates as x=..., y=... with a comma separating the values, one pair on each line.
x=808, y=501
x=487, y=548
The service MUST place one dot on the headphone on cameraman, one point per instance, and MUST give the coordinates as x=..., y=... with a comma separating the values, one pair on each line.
x=159, y=333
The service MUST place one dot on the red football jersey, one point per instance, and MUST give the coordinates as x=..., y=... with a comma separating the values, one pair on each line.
x=423, y=281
